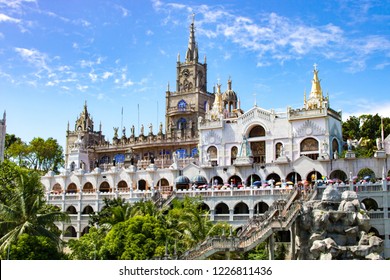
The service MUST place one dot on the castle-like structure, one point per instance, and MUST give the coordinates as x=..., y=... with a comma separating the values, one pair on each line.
x=238, y=161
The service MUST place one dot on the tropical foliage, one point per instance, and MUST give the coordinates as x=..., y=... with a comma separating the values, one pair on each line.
x=39, y=154
x=143, y=231
x=24, y=211
x=365, y=129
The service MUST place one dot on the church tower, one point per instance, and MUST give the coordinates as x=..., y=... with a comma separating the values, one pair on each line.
x=2, y=136
x=191, y=99
x=84, y=136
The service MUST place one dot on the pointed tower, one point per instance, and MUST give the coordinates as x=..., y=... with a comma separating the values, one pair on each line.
x=185, y=105
x=230, y=99
x=316, y=99
x=3, y=126
x=84, y=136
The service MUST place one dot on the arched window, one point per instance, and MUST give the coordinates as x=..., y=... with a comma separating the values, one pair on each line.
x=181, y=124
x=88, y=187
x=142, y=185
x=212, y=155
x=71, y=210
x=57, y=188
x=70, y=232
x=122, y=186
x=278, y=150
x=233, y=154
x=72, y=166
x=241, y=208
x=182, y=105
x=221, y=208
x=72, y=188
x=88, y=210
x=310, y=148
x=257, y=131
x=104, y=187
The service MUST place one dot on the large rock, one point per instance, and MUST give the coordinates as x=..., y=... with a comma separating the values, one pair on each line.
x=331, y=194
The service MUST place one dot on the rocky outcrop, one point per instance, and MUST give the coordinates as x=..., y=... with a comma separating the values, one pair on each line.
x=336, y=228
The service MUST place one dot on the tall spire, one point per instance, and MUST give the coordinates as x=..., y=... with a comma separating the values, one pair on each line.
x=192, y=51
x=316, y=91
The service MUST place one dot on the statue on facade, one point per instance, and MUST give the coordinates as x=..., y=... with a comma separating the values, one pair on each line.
x=124, y=131
x=116, y=132
x=160, y=129
x=142, y=129
x=349, y=144
x=150, y=128
x=132, y=130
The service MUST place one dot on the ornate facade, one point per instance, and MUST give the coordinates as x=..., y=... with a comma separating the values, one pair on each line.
x=211, y=147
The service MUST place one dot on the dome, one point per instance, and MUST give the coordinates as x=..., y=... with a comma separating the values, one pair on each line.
x=182, y=180
x=229, y=96
x=199, y=180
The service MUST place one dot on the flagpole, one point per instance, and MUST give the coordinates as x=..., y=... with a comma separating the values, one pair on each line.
x=122, y=118
x=138, y=119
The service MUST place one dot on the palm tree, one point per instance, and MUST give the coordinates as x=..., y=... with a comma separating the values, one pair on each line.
x=26, y=211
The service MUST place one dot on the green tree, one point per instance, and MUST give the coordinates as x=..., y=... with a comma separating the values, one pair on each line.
x=26, y=211
x=88, y=246
x=31, y=247
x=138, y=238
x=39, y=154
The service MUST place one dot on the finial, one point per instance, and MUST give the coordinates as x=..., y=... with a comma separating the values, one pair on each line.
x=315, y=66
x=193, y=18
x=255, y=99
x=168, y=86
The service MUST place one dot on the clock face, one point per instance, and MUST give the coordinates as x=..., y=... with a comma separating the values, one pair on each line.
x=186, y=73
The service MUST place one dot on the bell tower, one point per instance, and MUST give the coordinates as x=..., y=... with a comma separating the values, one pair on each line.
x=191, y=99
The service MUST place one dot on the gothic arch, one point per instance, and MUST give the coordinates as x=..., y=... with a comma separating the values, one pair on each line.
x=204, y=207
x=162, y=183
x=71, y=210
x=88, y=187
x=57, y=188
x=70, y=232
x=122, y=186
x=72, y=188
x=85, y=230
x=104, y=187
x=88, y=210
x=182, y=105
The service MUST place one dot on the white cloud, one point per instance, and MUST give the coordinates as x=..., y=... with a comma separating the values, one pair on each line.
x=275, y=38
x=34, y=57
x=5, y=18
x=82, y=88
x=106, y=75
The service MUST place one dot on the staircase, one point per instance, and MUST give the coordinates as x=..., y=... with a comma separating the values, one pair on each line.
x=257, y=230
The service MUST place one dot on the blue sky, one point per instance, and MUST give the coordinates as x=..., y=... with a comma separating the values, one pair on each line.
x=55, y=55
